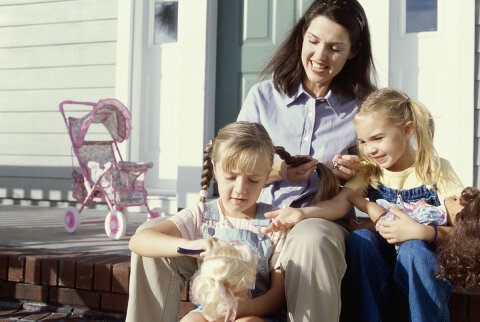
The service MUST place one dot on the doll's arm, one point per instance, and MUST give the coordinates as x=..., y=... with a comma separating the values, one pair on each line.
x=268, y=303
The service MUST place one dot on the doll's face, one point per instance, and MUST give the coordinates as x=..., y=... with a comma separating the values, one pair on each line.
x=453, y=206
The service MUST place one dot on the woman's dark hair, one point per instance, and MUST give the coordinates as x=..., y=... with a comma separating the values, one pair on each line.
x=355, y=79
x=459, y=253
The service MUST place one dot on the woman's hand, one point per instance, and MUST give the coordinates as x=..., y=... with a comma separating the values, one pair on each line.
x=400, y=230
x=283, y=219
x=345, y=166
x=296, y=175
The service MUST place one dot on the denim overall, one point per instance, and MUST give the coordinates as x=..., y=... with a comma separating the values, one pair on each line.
x=410, y=195
x=258, y=242
x=375, y=272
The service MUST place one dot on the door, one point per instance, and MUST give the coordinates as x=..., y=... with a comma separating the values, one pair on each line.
x=432, y=59
x=248, y=33
x=156, y=92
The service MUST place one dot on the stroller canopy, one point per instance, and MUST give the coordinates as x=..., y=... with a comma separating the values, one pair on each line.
x=111, y=113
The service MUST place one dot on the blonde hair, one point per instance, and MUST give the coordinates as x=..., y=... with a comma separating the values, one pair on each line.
x=228, y=269
x=238, y=146
x=398, y=109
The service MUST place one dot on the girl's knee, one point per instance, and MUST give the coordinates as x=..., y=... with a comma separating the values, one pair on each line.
x=416, y=253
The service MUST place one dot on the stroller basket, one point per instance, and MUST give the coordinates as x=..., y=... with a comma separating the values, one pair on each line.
x=101, y=178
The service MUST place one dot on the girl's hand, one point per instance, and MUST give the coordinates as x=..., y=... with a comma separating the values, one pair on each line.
x=283, y=219
x=204, y=244
x=400, y=230
x=298, y=174
x=345, y=166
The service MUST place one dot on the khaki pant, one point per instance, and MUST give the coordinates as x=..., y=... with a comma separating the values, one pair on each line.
x=313, y=261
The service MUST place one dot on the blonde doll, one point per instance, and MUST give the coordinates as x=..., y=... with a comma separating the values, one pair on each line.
x=239, y=159
x=395, y=137
x=227, y=270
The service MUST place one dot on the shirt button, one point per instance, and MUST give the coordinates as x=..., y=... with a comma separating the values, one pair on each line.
x=211, y=231
x=310, y=114
x=261, y=236
x=305, y=138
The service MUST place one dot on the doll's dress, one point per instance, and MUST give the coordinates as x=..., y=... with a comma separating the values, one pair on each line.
x=420, y=211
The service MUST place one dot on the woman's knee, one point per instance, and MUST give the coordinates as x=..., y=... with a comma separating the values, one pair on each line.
x=317, y=233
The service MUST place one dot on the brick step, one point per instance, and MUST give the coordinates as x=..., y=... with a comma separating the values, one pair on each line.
x=99, y=282
x=96, y=282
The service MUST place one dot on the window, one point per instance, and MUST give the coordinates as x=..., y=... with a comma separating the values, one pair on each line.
x=166, y=22
x=421, y=15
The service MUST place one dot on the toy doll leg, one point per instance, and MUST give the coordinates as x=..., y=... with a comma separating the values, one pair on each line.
x=414, y=275
x=156, y=284
x=313, y=260
x=368, y=284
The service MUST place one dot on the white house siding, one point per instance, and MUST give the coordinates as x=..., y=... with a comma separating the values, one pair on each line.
x=476, y=171
x=49, y=51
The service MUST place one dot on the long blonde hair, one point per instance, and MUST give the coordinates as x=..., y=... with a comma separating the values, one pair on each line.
x=228, y=269
x=398, y=109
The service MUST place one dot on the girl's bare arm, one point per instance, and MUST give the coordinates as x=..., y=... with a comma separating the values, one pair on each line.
x=268, y=303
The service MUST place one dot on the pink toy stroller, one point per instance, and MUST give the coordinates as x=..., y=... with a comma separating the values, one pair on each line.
x=102, y=178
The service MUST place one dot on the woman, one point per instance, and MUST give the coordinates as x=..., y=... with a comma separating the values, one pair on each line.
x=320, y=74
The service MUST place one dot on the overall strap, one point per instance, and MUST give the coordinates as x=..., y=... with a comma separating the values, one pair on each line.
x=260, y=219
x=211, y=210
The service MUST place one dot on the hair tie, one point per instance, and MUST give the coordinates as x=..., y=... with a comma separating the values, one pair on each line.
x=224, y=297
x=203, y=193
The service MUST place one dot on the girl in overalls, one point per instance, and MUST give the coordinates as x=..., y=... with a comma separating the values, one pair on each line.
x=398, y=171
x=240, y=159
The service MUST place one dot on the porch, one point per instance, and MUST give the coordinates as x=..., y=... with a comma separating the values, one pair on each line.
x=47, y=273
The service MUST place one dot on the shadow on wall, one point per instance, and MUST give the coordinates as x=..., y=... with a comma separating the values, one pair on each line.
x=36, y=182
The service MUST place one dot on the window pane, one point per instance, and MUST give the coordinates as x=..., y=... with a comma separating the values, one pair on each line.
x=421, y=15
x=166, y=22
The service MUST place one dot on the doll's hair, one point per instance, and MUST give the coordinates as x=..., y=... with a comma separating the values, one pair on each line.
x=398, y=109
x=459, y=253
x=242, y=146
x=227, y=269
x=355, y=79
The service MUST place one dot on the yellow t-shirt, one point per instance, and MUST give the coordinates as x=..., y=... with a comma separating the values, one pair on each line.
x=448, y=183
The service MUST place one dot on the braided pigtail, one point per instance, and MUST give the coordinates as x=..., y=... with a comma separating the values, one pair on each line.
x=207, y=173
x=329, y=186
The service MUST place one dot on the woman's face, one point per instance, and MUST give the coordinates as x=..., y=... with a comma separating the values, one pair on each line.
x=325, y=50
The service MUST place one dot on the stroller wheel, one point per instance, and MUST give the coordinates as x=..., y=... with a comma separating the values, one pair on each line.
x=115, y=224
x=71, y=219
x=155, y=213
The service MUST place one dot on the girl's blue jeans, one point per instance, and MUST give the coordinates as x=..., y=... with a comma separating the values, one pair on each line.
x=376, y=275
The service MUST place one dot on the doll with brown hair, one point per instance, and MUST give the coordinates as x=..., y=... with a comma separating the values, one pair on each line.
x=459, y=253
x=227, y=270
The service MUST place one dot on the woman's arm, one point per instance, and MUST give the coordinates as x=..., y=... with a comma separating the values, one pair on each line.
x=268, y=303
x=163, y=239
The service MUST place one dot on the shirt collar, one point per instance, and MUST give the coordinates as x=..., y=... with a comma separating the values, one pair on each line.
x=334, y=101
